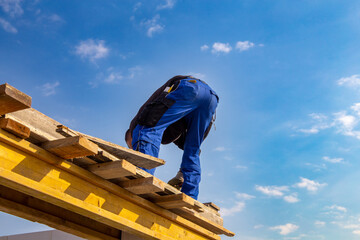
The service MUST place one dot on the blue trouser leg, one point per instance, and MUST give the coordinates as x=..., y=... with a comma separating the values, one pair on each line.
x=197, y=121
x=196, y=103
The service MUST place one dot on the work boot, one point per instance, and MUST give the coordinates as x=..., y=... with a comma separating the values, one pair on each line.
x=177, y=181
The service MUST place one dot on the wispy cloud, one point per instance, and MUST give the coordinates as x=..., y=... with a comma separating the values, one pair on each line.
x=319, y=223
x=7, y=26
x=49, y=88
x=92, y=49
x=337, y=208
x=352, y=81
x=197, y=75
x=238, y=207
x=204, y=47
x=219, y=149
x=219, y=47
x=137, y=6
x=244, y=46
x=273, y=191
x=285, y=229
x=113, y=78
x=243, y=196
x=333, y=160
x=168, y=4
x=293, y=198
x=152, y=25
x=12, y=7
x=241, y=167
x=310, y=185
x=321, y=123
x=134, y=71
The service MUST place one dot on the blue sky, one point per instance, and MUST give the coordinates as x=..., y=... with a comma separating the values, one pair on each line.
x=282, y=162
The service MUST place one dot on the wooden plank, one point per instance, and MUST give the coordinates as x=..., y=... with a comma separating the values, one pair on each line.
x=42, y=127
x=111, y=170
x=36, y=210
x=71, y=147
x=83, y=161
x=212, y=206
x=15, y=128
x=137, y=158
x=201, y=219
x=174, y=201
x=38, y=173
x=12, y=100
x=143, y=185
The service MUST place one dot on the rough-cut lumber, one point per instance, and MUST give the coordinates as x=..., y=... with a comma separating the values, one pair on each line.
x=42, y=127
x=137, y=158
x=29, y=169
x=71, y=147
x=111, y=170
x=174, y=201
x=143, y=185
x=213, y=206
x=14, y=127
x=33, y=209
x=12, y=100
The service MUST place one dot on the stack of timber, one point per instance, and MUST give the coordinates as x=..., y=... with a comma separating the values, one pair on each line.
x=87, y=186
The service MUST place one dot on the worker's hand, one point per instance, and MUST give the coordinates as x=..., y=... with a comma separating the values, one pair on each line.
x=128, y=139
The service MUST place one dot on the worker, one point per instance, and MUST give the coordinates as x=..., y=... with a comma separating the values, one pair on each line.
x=181, y=111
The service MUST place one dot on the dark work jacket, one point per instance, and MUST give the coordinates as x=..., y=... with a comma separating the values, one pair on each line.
x=176, y=132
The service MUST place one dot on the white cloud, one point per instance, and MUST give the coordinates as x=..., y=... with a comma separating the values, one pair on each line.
x=137, y=6
x=12, y=7
x=238, y=207
x=285, y=229
x=274, y=191
x=134, y=71
x=219, y=149
x=352, y=81
x=333, y=160
x=113, y=78
x=356, y=108
x=258, y=226
x=356, y=232
x=92, y=49
x=244, y=46
x=204, y=47
x=7, y=26
x=152, y=26
x=292, y=198
x=49, y=88
x=338, y=208
x=221, y=48
x=167, y=5
x=241, y=167
x=310, y=185
x=347, y=122
x=321, y=123
x=244, y=196
x=198, y=75
x=319, y=223
x=312, y=130
x=317, y=167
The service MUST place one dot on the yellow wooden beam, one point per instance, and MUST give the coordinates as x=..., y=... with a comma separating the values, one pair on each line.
x=33, y=171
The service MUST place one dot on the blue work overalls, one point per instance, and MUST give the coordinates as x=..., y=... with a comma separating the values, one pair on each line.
x=196, y=102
